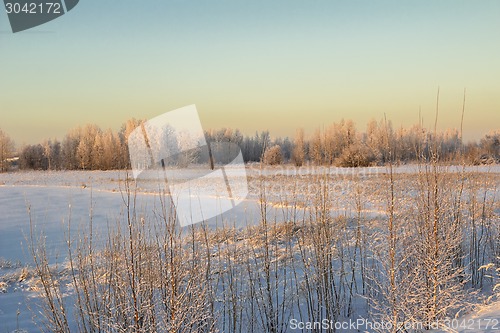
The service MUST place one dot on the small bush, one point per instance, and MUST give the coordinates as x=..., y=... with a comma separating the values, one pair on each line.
x=356, y=155
x=273, y=155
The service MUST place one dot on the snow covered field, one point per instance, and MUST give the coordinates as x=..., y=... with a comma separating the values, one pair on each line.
x=61, y=203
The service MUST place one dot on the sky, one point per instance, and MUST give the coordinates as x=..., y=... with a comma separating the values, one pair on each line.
x=253, y=65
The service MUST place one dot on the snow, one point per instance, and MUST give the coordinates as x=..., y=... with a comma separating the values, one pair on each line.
x=486, y=319
x=54, y=199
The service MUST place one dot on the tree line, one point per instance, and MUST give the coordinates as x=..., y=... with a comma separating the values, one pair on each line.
x=340, y=144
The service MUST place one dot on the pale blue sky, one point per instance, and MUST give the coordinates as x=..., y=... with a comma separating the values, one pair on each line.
x=253, y=65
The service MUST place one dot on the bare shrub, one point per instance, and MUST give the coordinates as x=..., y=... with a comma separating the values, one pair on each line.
x=146, y=278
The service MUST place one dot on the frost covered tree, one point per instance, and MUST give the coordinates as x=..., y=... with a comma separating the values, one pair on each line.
x=111, y=150
x=33, y=157
x=69, y=147
x=53, y=152
x=409, y=143
x=490, y=144
x=123, y=134
x=85, y=147
x=273, y=155
x=6, y=150
x=298, y=153
x=97, y=153
x=338, y=137
x=286, y=148
x=316, y=148
x=356, y=155
x=378, y=135
x=253, y=147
